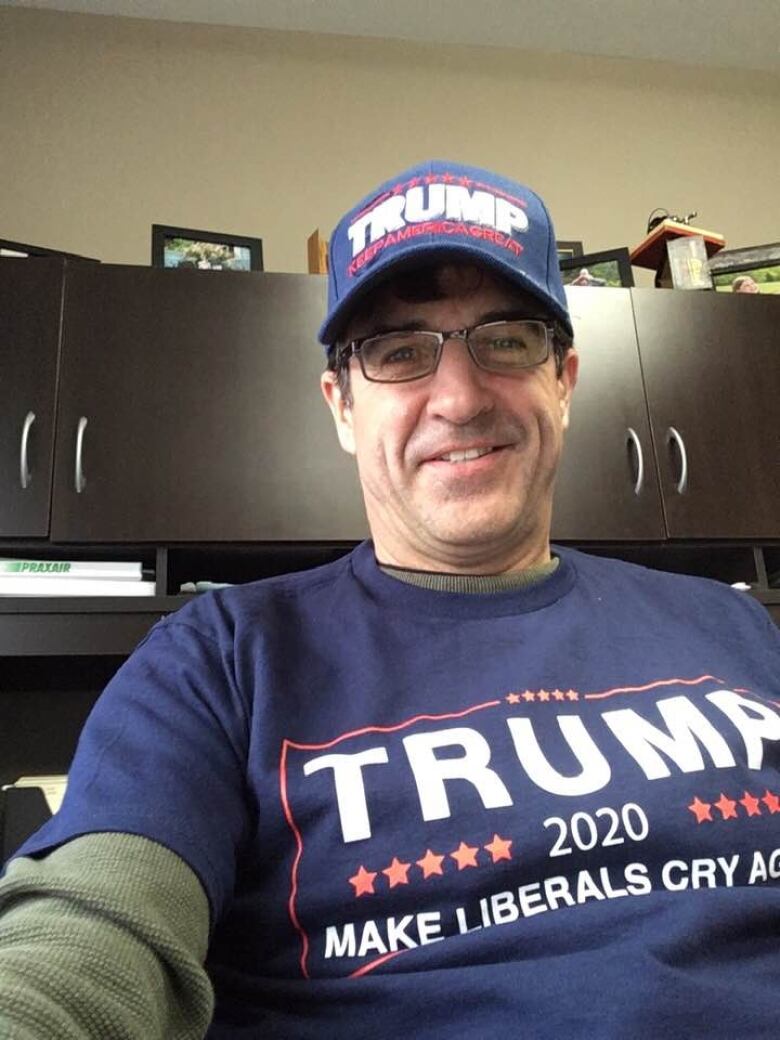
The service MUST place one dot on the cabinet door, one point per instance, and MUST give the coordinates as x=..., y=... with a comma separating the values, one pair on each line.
x=190, y=410
x=607, y=487
x=30, y=307
x=711, y=364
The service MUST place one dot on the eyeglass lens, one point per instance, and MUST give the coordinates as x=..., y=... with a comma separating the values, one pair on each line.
x=499, y=346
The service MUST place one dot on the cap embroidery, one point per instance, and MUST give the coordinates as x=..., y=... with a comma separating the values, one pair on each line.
x=399, y=214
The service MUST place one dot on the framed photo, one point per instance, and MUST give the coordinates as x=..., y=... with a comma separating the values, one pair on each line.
x=752, y=270
x=21, y=250
x=567, y=250
x=204, y=250
x=610, y=268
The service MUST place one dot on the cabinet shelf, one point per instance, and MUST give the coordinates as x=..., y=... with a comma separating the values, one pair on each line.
x=91, y=604
x=75, y=626
x=98, y=626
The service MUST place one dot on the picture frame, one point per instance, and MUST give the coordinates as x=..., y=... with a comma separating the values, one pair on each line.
x=179, y=248
x=610, y=268
x=755, y=269
x=568, y=250
x=22, y=251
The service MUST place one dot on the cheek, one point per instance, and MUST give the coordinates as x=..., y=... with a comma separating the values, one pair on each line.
x=382, y=431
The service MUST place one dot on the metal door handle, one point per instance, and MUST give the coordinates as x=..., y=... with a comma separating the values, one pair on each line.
x=682, y=483
x=640, y=466
x=24, y=470
x=80, y=481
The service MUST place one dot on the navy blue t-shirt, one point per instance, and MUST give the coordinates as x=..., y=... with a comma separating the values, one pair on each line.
x=549, y=812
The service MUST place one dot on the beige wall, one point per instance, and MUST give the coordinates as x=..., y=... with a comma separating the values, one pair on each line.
x=108, y=125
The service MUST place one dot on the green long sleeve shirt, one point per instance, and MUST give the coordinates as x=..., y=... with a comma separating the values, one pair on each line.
x=103, y=939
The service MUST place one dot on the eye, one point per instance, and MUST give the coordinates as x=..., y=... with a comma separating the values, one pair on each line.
x=502, y=343
x=396, y=355
x=511, y=344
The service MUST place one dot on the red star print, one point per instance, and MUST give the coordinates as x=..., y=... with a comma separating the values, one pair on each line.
x=430, y=863
x=414, y=182
x=448, y=178
x=465, y=181
x=751, y=804
x=558, y=695
x=499, y=848
x=513, y=698
x=363, y=881
x=396, y=872
x=544, y=695
x=701, y=810
x=727, y=807
x=397, y=189
x=431, y=178
x=572, y=695
x=529, y=695
x=465, y=855
x=771, y=801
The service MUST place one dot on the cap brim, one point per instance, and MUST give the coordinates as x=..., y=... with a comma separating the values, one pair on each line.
x=421, y=254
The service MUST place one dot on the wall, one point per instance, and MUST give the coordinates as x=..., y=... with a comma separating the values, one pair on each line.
x=109, y=125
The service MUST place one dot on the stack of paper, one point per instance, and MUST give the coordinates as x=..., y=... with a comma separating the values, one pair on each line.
x=53, y=787
x=73, y=578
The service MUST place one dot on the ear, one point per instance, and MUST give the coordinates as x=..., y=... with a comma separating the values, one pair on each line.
x=566, y=383
x=340, y=410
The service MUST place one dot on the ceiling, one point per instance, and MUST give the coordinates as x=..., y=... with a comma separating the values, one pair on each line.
x=742, y=34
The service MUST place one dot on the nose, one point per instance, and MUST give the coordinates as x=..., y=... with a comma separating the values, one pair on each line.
x=458, y=391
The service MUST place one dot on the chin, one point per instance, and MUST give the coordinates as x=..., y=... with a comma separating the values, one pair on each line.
x=464, y=534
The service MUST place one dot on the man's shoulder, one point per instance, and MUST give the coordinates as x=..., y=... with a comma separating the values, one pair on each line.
x=668, y=588
x=223, y=612
x=301, y=582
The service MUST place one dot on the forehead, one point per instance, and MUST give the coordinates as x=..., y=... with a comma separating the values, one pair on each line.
x=470, y=290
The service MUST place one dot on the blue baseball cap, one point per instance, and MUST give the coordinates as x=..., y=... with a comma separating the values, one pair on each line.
x=443, y=211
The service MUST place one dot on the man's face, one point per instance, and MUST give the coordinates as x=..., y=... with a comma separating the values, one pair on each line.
x=425, y=511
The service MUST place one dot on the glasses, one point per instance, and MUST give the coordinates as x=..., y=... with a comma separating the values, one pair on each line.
x=496, y=346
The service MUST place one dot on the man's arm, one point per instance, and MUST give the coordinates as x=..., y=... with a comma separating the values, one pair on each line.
x=104, y=938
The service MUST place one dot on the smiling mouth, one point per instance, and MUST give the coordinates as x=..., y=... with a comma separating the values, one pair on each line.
x=464, y=456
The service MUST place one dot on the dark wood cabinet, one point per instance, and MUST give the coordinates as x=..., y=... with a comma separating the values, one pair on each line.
x=30, y=312
x=711, y=365
x=607, y=487
x=190, y=410
x=190, y=433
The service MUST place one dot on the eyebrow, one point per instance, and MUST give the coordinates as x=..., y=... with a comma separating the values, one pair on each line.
x=518, y=312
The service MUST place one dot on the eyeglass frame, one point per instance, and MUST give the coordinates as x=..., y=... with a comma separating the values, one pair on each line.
x=552, y=333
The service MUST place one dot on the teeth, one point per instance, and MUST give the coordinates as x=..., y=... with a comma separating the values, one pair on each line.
x=465, y=456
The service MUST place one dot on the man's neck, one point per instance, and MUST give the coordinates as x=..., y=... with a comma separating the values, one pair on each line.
x=468, y=561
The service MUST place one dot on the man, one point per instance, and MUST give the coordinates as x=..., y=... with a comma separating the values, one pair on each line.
x=456, y=784
x=586, y=278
